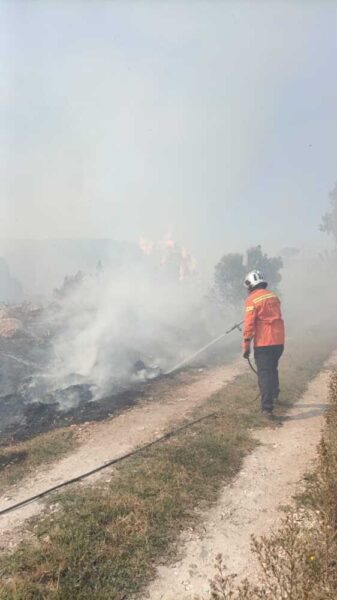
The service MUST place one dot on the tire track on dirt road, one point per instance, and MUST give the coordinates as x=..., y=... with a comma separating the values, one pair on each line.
x=172, y=401
x=251, y=503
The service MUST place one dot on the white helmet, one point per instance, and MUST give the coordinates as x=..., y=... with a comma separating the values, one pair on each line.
x=253, y=279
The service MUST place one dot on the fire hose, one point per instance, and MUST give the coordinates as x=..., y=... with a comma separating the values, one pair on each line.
x=110, y=463
x=137, y=451
x=251, y=366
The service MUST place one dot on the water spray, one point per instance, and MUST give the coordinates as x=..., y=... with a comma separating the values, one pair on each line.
x=203, y=349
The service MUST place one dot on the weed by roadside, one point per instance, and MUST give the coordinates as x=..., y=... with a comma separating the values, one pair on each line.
x=19, y=460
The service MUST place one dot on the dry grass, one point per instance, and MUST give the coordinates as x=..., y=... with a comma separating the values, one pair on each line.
x=19, y=460
x=105, y=542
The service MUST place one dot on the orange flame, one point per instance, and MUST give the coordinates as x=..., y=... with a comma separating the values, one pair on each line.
x=146, y=246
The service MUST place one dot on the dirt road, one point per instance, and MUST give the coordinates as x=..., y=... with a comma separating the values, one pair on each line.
x=251, y=504
x=172, y=402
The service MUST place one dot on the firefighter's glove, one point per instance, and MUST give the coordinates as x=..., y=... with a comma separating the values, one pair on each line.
x=246, y=354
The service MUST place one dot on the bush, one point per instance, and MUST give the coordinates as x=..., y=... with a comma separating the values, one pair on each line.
x=232, y=268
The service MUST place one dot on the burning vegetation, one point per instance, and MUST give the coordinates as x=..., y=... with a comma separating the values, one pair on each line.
x=33, y=399
x=89, y=349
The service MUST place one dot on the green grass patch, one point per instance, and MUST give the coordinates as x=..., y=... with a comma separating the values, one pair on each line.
x=105, y=541
x=18, y=460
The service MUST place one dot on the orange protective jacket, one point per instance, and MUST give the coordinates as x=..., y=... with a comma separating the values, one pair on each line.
x=263, y=320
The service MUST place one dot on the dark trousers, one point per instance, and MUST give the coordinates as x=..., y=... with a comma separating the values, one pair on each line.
x=266, y=358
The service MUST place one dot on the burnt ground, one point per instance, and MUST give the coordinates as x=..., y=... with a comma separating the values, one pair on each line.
x=40, y=417
x=169, y=402
x=29, y=404
x=28, y=407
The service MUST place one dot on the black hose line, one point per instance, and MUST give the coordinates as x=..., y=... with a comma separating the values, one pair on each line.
x=114, y=461
x=110, y=463
x=119, y=459
x=251, y=366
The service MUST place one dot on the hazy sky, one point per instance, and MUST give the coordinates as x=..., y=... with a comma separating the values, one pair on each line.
x=215, y=120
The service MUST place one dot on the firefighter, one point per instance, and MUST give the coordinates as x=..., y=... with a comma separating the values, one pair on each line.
x=264, y=325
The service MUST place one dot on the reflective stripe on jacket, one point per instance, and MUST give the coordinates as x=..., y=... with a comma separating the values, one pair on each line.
x=263, y=320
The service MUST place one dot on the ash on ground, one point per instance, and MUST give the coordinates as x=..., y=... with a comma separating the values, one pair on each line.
x=37, y=396
x=31, y=401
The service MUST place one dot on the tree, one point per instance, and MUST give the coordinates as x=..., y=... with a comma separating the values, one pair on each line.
x=270, y=267
x=231, y=270
x=289, y=252
x=329, y=220
x=70, y=284
x=228, y=277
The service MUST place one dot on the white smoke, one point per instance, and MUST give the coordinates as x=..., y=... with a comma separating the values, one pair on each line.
x=113, y=319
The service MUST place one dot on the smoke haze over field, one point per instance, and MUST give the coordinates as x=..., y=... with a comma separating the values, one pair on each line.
x=111, y=321
x=216, y=120
x=140, y=141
